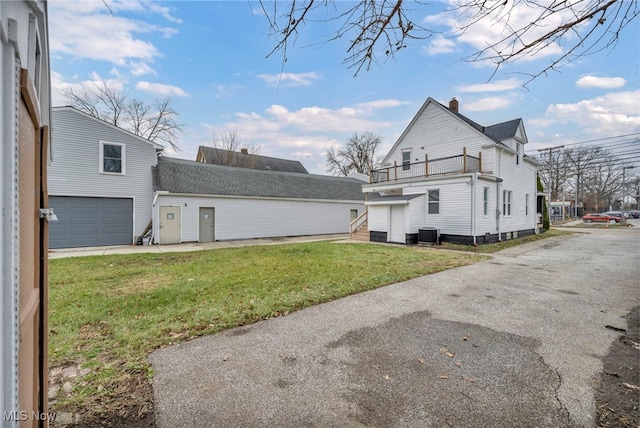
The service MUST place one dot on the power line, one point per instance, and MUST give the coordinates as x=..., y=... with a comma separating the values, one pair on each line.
x=602, y=141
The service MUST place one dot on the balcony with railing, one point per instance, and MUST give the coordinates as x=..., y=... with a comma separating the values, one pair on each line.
x=460, y=164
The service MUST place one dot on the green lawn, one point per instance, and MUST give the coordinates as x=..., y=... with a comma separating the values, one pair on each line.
x=109, y=312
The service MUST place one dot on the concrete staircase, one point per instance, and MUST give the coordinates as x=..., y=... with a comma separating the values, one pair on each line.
x=362, y=234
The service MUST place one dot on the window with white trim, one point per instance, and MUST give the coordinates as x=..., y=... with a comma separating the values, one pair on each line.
x=433, y=202
x=112, y=158
x=485, y=200
x=518, y=148
x=506, y=202
x=406, y=161
x=526, y=204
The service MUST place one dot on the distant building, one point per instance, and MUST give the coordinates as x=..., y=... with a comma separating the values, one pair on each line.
x=244, y=159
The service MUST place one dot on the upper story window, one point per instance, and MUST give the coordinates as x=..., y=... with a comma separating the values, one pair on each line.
x=518, y=153
x=406, y=161
x=112, y=158
x=434, y=201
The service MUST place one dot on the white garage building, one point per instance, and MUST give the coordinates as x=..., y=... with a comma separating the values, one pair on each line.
x=198, y=202
x=99, y=181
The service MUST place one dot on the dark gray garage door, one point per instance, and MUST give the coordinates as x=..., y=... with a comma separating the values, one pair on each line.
x=89, y=222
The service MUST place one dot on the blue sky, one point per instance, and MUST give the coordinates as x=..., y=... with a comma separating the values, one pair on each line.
x=211, y=57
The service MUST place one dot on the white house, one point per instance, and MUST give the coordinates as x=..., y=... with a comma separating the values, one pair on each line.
x=449, y=176
x=24, y=147
x=100, y=183
x=200, y=202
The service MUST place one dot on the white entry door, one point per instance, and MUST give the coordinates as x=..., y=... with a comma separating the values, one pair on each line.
x=170, y=225
x=396, y=224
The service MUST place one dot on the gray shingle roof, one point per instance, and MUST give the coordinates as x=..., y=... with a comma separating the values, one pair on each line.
x=497, y=132
x=216, y=156
x=184, y=176
x=504, y=130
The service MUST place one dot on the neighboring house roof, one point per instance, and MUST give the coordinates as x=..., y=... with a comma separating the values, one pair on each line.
x=216, y=156
x=88, y=116
x=191, y=177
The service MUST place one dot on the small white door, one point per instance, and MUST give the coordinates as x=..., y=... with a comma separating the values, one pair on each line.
x=207, y=225
x=396, y=224
x=170, y=225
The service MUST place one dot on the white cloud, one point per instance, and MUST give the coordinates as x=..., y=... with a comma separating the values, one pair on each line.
x=439, y=45
x=139, y=68
x=609, y=112
x=496, y=28
x=289, y=79
x=600, y=82
x=488, y=104
x=161, y=89
x=57, y=84
x=312, y=130
x=496, y=86
x=88, y=30
x=165, y=12
x=224, y=91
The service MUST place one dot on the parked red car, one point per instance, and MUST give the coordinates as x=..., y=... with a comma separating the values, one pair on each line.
x=602, y=217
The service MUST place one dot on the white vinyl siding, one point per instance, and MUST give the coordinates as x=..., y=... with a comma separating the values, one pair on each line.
x=247, y=218
x=75, y=171
x=378, y=217
x=430, y=130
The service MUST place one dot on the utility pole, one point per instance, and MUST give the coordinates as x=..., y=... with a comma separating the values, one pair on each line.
x=550, y=149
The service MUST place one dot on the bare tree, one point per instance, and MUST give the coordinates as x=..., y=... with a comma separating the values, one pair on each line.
x=585, y=26
x=602, y=184
x=588, y=26
x=156, y=121
x=359, y=155
x=232, y=150
x=633, y=190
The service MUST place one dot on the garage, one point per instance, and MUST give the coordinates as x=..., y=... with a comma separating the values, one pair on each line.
x=90, y=222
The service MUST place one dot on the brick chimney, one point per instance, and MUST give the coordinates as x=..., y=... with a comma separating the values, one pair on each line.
x=453, y=104
x=244, y=151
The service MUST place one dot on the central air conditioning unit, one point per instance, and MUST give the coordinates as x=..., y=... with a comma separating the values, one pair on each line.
x=429, y=235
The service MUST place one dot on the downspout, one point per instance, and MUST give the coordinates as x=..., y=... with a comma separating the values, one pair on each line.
x=498, y=194
x=474, y=182
x=498, y=189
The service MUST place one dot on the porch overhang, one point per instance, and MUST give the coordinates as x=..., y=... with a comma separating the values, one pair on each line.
x=392, y=200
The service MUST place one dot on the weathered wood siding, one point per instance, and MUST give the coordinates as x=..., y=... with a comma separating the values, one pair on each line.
x=75, y=168
x=246, y=218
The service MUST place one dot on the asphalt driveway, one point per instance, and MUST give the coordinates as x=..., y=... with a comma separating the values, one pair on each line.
x=516, y=341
